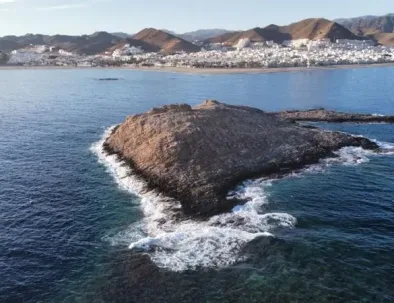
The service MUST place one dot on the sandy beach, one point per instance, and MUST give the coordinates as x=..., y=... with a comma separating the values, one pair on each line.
x=218, y=71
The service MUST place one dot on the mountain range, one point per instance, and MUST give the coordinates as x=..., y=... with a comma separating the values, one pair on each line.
x=378, y=28
x=361, y=25
x=85, y=44
x=312, y=29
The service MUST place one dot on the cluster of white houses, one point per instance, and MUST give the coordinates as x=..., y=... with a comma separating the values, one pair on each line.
x=244, y=54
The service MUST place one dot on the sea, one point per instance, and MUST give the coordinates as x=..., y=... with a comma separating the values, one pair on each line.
x=76, y=225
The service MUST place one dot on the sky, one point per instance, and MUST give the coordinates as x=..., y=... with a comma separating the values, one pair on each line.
x=74, y=17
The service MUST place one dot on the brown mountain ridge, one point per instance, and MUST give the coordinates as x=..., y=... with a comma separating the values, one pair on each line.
x=149, y=39
x=313, y=29
x=166, y=42
x=378, y=28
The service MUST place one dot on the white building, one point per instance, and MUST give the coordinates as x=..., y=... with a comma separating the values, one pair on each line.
x=297, y=43
x=217, y=47
x=355, y=43
x=127, y=50
x=65, y=53
x=319, y=44
x=242, y=43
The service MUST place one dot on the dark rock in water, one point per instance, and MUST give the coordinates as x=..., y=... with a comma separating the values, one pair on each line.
x=108, y=79
x=196, y=155
x=261, y=247
x=323, y=115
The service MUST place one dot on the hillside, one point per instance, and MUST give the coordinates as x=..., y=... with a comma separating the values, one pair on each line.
x=150, y=40
x=257, y=34
x=8, y=45
x=315, y=29
x=198, y=35
x=365, y=24
x=379, y=28
x=222, y=38
x=146, y=47
x=203, y=34
x=166, y=42
x=382, y=38
x=90, y=44
x=312, y=29
x=86, y=44
x=122, y=35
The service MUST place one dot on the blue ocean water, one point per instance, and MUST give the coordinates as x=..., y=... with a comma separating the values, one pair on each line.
x=63, y=216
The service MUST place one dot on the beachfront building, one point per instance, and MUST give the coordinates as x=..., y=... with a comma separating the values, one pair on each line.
x=355, y=44
x=26, y=56
x=297, y=43
x=319, y=44
x=65, y=53
x=127, y=50
x=217, y=47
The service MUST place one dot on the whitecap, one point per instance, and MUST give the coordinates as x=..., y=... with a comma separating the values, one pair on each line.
x=387, y=148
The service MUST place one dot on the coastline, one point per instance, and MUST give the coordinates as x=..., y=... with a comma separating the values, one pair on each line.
x=212, y=71
x=221, y=71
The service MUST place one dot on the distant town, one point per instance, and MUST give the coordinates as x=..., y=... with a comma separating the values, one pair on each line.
x=310, y=42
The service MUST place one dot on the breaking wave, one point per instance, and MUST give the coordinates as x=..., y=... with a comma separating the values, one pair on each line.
x=387, y=148
x=180, y=245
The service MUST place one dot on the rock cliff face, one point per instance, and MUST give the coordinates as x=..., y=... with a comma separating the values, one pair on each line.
x=196, y=155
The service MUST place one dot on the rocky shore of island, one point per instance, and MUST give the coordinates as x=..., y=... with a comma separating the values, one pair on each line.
x=325, y=115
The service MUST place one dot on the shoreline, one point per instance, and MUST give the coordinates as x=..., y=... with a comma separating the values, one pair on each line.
x=211, y=71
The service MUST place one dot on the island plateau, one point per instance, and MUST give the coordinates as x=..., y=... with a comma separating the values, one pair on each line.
x=195, y=155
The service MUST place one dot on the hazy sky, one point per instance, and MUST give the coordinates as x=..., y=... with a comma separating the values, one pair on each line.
x=87, y=16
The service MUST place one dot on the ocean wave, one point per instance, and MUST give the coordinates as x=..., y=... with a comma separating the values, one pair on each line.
x=386, y=148
x=217, y=242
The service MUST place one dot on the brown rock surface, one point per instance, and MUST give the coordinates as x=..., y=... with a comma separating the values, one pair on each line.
x=196, y=155
x=323, y=115
x=383, y=38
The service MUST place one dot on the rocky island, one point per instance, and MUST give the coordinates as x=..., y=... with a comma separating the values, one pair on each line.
x=197, y=154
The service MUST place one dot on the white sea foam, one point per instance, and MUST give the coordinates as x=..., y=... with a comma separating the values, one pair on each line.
x=350, y=156
x=180, y=245
x=156, y=214
x=387, y=148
